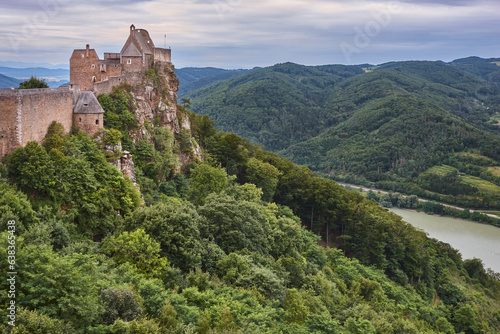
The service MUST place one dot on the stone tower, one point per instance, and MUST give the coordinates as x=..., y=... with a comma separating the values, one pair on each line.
x=87, y=113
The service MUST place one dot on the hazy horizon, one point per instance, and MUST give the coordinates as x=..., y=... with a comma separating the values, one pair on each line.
x=248, y=33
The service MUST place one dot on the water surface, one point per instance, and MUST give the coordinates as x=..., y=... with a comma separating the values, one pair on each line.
x=471, y=239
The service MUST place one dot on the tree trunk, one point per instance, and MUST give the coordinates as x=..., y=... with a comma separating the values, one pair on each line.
x=312, y=217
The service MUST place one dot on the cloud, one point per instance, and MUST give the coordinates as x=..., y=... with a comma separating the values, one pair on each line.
x=233, y=33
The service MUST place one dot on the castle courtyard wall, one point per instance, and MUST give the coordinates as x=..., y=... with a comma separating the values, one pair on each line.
x=106, y=86
x=26, y=114
x=8, y=123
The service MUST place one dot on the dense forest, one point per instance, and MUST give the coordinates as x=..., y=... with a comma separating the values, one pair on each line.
x=398, y=126
x=244, y=241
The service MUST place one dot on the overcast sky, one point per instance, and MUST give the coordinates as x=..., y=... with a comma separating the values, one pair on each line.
x=248, y=33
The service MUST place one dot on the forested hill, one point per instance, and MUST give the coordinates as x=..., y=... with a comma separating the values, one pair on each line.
x=389, y=124
x=228, y=245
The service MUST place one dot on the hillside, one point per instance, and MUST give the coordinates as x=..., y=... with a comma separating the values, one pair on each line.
x=220, y=247
x=7, y=82
x=388, y=126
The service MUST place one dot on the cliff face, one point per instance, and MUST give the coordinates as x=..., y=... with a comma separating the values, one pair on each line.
x=154, y=99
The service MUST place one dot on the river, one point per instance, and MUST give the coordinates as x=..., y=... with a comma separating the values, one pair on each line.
x=471, y=239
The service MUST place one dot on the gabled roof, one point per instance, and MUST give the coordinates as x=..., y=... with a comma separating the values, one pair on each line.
x=145, y=42
x=141, y=41
x=87, y=104
x=132, y=51
x=77, y=53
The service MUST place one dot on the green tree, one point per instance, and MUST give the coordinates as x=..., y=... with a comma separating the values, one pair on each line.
x=136, y=248
x=205, y=179
x=61, y=287
x=32, y=83
x=14, y=205
x=168, y=318
x=465, y=320
x=294, y=307
x=236, y=225
x=56, y=137
x=175, y=225
x=32, y=168
x=226, y=322
x=117, y=107
x=32, y=322
x=119, y=304
x=264, y=176
x=360, y=326
x=163, y=158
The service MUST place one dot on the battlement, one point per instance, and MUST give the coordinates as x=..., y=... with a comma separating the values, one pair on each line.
x=37, y=91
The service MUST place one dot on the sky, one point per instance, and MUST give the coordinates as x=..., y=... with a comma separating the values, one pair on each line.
x=249, y=33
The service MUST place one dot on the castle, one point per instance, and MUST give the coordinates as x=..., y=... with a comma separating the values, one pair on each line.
x=25, y=114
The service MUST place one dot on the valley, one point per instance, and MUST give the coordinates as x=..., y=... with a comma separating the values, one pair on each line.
x=423, y=128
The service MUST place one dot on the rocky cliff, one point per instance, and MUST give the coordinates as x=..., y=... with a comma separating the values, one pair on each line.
x=153, y=99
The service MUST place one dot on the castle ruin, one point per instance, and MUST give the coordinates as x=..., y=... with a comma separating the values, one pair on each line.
x=135, y=58
x=25, y=114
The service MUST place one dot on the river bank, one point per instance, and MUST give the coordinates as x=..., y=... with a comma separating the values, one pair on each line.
x=365, y=189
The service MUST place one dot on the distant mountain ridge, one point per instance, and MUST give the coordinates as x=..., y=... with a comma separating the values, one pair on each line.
x=53, y=77
x=192, y=78
x=7, y=82
x=389, y=125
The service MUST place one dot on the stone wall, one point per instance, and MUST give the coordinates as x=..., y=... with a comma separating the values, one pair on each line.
x=25, y=114
x=136, y=64
x=89, y=123
x=163, y=55
x=106, y=86
x=84, y=68
x=8, y=122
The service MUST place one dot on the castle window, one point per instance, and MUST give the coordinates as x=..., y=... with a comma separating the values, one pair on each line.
x=92, y=66
x=129, y=61
x=97, y=122
x=80, y=119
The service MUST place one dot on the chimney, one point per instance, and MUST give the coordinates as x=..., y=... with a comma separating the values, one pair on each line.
x=132, y=28
x=87, y=51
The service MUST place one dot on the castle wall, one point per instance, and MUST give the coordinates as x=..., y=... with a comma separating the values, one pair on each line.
x=109, y=68
x=84, y=68
x=25, y=114
x=163, y=55
x=106, y=86
x=89, y=123
x=8, y=122
x=135, y=65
